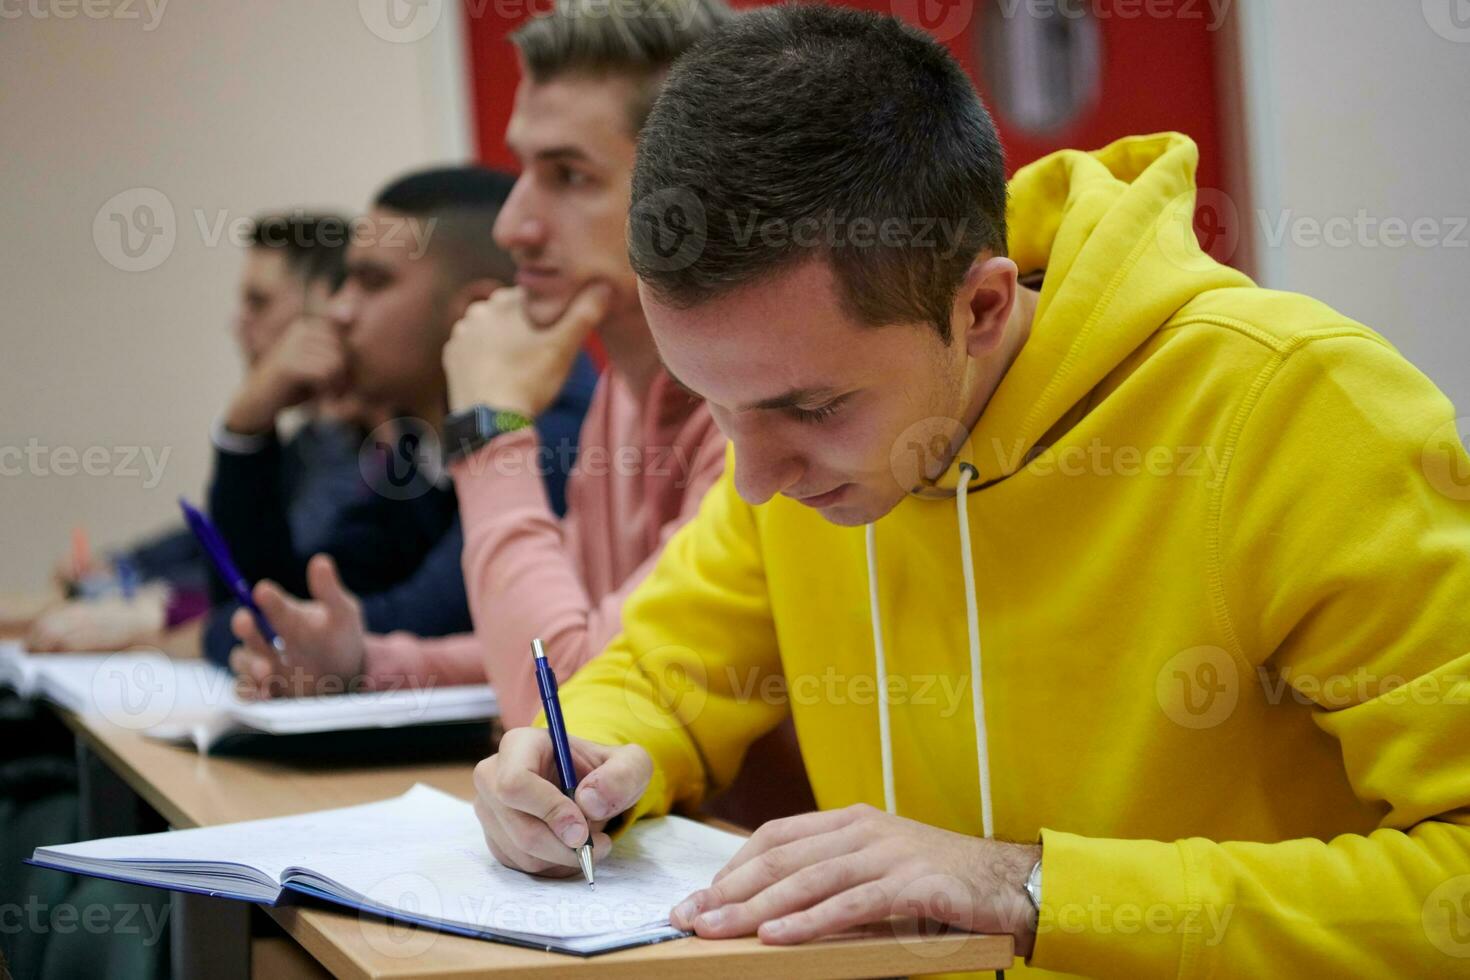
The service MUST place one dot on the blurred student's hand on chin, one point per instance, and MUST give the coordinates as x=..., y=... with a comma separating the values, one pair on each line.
x=309, y=360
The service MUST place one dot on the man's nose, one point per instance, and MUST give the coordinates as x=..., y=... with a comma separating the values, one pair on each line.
x=341, y=309
x=518, y=227
x=763, y=467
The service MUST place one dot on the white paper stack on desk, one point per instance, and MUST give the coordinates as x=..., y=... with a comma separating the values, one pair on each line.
x=193, y=701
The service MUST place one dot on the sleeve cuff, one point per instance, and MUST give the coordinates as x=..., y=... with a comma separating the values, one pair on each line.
x=235, y=443
x=1115, y=907
x=390, y=658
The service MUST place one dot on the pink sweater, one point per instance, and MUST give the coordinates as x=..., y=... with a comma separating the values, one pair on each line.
x=641, y=472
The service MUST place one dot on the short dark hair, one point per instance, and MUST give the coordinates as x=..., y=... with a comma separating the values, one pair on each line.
x=831, y=119
x=313, y=245
x=636, y=39
x=463, y=203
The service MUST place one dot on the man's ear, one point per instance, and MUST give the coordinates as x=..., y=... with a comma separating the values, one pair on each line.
x=471, y=292
x=983, y=303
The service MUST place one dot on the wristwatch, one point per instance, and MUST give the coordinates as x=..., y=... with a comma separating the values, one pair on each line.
x=1033, y=886
x=470, y=428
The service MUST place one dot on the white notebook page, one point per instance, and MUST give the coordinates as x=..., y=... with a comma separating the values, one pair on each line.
x=424, y=855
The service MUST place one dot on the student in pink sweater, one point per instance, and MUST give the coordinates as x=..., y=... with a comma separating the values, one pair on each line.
x=646, y=457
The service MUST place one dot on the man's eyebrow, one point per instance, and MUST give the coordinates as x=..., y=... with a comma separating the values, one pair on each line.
x=793, y=398
x=555, y=153
x=787, y=399
x=356, y=267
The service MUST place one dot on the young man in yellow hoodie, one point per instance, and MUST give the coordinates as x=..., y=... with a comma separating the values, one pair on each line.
x=1121, y=606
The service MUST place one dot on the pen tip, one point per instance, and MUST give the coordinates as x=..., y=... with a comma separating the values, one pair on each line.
x=584, y=858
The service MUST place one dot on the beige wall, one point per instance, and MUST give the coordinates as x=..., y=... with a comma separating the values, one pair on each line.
x=224, y=108
x=1364, y=106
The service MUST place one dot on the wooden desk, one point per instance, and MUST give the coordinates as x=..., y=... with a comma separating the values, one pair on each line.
x=190, y=790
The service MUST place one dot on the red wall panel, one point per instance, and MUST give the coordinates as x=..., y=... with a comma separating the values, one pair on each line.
x=1155, y=70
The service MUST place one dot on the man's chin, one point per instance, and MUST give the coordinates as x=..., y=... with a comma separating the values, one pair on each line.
x=544, y=309
x=857, y=512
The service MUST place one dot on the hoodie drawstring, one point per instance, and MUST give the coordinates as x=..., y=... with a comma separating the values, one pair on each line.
x=881, y=668
x=972, y=622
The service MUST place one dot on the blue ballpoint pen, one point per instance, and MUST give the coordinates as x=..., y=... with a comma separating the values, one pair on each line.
x=561, y=747
x=219, y=555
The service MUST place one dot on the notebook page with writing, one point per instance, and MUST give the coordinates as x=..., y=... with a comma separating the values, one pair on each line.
x=267, y=847
x=422, y=857
x=452, y=880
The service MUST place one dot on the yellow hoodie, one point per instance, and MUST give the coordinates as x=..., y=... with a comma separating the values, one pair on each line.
x=1220, y=544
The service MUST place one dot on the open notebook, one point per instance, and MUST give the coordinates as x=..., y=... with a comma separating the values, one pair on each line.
x=422, y=858
x=192, y=701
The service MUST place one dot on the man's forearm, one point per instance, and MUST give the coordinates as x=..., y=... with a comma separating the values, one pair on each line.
x=520, y=581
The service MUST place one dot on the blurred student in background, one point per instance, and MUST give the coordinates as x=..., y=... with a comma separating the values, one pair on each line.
x=422, y=255
x=294, y=263
x=649, y=449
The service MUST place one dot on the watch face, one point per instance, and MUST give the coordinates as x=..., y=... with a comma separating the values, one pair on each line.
x=508, y=421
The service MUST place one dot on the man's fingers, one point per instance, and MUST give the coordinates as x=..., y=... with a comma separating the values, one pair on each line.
x=247, y=663
x=507, y=851
x=773, y=866
x=518, y=839
x=527, y=791
x=529, y=818
x=48, y=633
x=321, y=371
x=868, y=902
x=43, y=638
x=242, y=624
x=275, y=603
x=253, y=673
x=787, y=829
x=518, y=783
x=327, y=588
x=617, y=784
x=531, y=836
x=298, y=622
x=800, y=890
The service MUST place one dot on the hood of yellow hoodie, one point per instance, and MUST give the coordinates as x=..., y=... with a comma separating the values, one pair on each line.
x=1113, y=231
